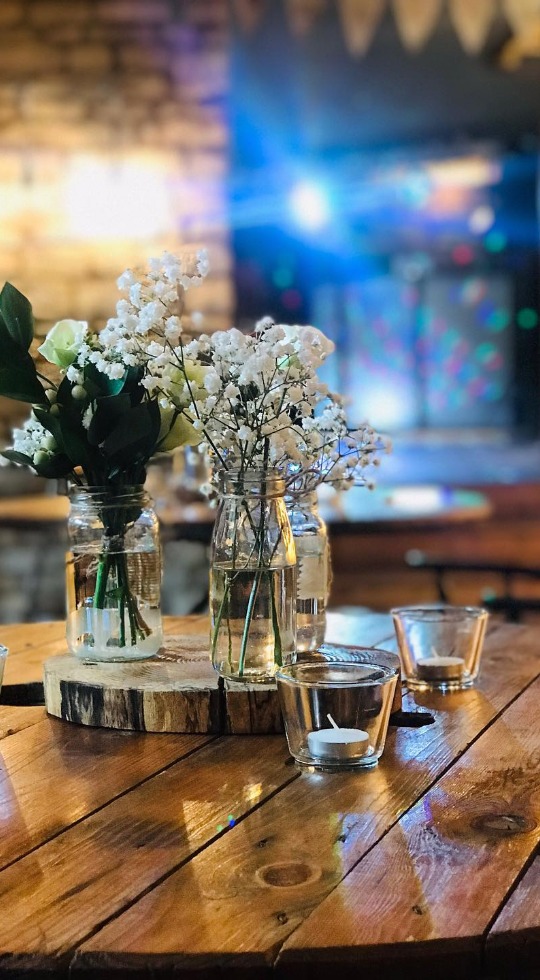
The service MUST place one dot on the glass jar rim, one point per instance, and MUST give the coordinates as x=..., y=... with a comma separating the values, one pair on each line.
x=375, y=674
x=108, y=494
x=439, y=611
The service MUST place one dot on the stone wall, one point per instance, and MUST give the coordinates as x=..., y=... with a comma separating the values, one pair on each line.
x=113, y=146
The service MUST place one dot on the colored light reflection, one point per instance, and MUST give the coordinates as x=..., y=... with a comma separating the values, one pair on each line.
x=481, y=219
x=291, y=299
x=495, y=241
x=462, y=254
x=527, y=318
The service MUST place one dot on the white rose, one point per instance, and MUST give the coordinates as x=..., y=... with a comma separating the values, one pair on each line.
x=63, y=342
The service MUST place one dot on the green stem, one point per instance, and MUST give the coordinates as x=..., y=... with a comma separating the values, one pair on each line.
x=278, y=649
x=219, y=617
x=122, y=637
x=248, y=619
x=101, y=581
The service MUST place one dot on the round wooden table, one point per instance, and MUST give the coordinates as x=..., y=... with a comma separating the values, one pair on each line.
x=126, y=853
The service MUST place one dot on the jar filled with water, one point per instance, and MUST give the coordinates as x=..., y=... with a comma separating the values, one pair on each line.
x=252, y=578
x=113, y=575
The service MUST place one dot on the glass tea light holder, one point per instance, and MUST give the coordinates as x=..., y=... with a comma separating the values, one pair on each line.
x=336, y=714
x=440, y=646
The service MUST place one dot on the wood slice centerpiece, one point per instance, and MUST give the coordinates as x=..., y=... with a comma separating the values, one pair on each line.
x=175, y=691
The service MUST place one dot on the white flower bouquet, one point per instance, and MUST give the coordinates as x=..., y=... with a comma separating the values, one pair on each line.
x=260, y=408
x=254, y=403
x=97, y=421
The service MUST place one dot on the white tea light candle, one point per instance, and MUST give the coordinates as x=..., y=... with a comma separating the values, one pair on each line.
x=338, y=743
x=440, y=668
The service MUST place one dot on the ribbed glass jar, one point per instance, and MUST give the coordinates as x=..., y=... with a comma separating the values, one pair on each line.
x=252, y=578
x=313, y=569
x=113, y=575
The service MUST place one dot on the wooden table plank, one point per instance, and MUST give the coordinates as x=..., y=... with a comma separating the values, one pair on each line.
x=440, y=875
x=513, y=943
x=74, y=883
x=54, y=774
x=261, y=880
x=15, y=719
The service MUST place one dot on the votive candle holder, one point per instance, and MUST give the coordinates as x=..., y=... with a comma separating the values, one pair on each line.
x=336, y=714
x=440, y=645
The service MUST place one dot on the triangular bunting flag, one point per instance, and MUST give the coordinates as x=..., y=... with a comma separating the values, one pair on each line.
x=248, y=13
x=416, y=20
x=359, y=20
x=472, y=22
x=302, y=14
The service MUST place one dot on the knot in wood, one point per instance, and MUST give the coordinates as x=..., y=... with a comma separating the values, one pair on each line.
x=503, y=824
x=287, y=874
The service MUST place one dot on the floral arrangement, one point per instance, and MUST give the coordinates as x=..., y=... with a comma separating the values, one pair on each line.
x=259, y=406
x=141, y=386
x=99, y=422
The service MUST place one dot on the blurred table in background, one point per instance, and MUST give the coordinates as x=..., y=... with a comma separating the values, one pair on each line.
x=33, y=542
x=344, y=512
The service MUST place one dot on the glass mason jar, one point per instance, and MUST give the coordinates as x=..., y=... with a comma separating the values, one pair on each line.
x=313, y=569
x=113, y=575
x=252, y=578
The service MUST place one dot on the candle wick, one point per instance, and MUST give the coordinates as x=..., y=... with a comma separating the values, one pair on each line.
x=332, y=722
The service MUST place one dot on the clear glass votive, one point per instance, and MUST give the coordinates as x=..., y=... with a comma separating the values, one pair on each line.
x=3, y=655
x=440, y=646
x=336, y=714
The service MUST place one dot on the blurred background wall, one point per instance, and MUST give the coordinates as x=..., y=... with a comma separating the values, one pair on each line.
x=113, y=146
x=370, y=166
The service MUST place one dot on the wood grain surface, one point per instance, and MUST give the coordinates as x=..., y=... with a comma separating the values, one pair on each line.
x=158, y=855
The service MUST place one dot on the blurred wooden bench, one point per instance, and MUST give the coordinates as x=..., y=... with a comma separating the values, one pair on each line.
x=511, y=606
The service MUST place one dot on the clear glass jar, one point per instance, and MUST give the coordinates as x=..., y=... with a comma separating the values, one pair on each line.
x=313, y=569
x=113, y=575
x=252, y=578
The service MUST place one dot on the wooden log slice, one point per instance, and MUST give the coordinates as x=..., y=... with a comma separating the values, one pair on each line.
x=176, y=691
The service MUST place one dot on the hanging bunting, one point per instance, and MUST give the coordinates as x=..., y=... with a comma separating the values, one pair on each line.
x=359, y=20
x=249, y=14
x=416, y=20
x=302, y=14
x=472, y=21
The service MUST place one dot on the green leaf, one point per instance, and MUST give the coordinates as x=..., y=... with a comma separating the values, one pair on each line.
x=18, y=379
x=56, y=466
x=135, y=436
x=75, y=443
x=15, y=457
x=108, y=412
x=17, y=316
x=69, y=434
x=132, y=384
x=98, y=384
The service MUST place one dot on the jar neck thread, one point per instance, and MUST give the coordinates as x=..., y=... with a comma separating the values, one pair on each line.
x=251, y=484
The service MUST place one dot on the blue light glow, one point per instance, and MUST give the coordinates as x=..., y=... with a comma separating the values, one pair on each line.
x=309, y=205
